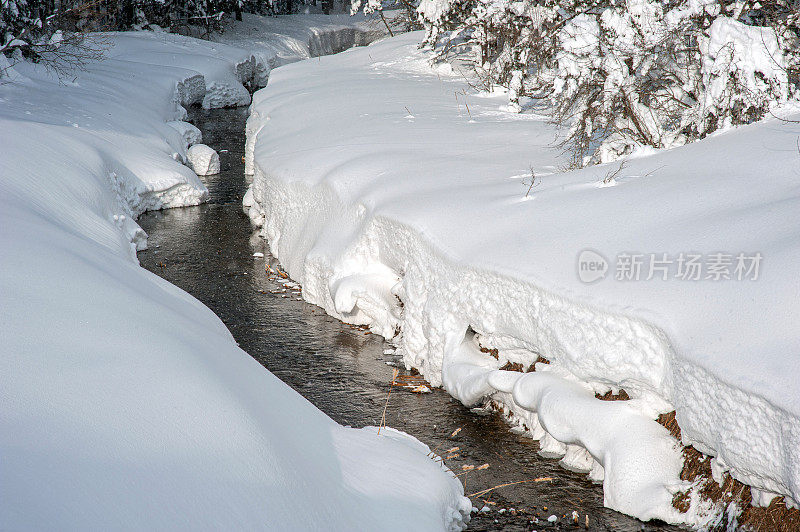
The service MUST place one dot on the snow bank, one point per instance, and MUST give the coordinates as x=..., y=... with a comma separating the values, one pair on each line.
x=276, y=41
x=190, y=133
x=225, y=69
x=125, y=402
x=244, y=53
x=416, y=215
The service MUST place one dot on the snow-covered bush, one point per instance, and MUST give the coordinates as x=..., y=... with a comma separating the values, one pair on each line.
x=628, y=73
x=744, y=70
x=19, y=24
x=404, y=19
x=28, y=27
x=506, y=39
x=183, y=15
x=52, y=34
x=625, y=76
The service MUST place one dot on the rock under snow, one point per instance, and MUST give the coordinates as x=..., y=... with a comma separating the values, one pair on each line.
x=203, y=159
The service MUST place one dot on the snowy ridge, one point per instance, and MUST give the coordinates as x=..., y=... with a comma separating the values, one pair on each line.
x=400, y=219
x=126, y=403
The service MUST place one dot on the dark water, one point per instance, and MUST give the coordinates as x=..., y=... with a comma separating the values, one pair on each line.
x=208, y=251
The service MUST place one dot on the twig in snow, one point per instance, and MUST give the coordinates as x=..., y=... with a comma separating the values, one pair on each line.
x=382, y=424
x=648, y=174
x=484, y=492
x=533, y=180
x=611, y=175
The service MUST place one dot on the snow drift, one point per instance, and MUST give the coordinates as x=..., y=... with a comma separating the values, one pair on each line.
x=416, y=215
x=125, y=402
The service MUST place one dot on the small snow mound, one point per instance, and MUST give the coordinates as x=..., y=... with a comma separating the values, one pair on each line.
x=203, y=160
x=191, y=135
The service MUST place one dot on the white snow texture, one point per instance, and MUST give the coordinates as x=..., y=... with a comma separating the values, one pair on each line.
x=126, y=403
x=415, y=215
x=203, y=159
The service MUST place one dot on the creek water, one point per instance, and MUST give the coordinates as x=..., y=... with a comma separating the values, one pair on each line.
x=208, y=251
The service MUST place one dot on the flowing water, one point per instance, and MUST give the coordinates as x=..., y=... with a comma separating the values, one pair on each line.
x=208, y=251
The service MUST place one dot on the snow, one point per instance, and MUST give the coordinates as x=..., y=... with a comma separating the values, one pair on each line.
x=126, y=402
x=190, y=133
x=224, y=68
x=424, y=227
x=736, y=46
x=203, y=159
x=749, y=56
x=276, y=41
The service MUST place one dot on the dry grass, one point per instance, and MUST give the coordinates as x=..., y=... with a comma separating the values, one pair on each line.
x=622, y=395
x=452, y=435
x=777, y=516
x=382, y=424
x=671, y=424
x=697, y=469
x=413, y=383
x=484, y=492
x=514, y=366
x=492, y=352
x=410, y=380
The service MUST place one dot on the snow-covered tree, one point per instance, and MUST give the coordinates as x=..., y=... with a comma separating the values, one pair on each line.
x=628, y=73
x=48, y=32
x=20, y=26
x=744, y=72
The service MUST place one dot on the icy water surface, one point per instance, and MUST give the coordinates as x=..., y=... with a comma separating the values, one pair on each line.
x=208, y=251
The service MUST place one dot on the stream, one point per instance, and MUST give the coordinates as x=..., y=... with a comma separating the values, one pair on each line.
x=345, y=371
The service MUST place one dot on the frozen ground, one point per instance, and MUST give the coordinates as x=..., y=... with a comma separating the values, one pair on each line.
x=126, y=403
x=415, y=214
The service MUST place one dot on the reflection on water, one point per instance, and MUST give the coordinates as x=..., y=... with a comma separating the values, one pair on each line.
x=208, y=251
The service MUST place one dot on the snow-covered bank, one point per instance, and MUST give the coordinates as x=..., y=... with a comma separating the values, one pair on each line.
x=126, y=404
x=276, y=41
x=244, y=54
x=407, y=205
